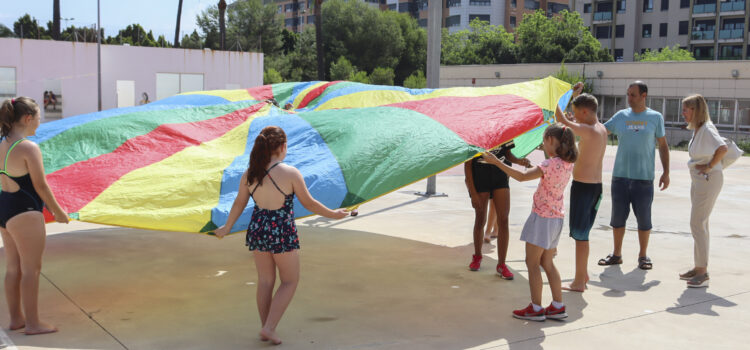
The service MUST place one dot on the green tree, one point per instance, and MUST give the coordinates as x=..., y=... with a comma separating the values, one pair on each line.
x=572, y=78
x=366, y=36
x=481, y=44
x=251, y=26
x=82, y=34
x=416, y=81
x=134, y=35
x=192, y=41
x=301, y=63
x=271, y=76
x=359, y=77
x=5, y=32
x=289, y=39
x=382, y=76
x=414, y=55
x=674, y=53
x=342, y=69
x=561, y=38
x=27, y=27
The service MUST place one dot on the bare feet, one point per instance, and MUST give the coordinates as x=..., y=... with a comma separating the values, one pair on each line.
x=17, y=325
x=43, y=328
x=486, y=238
x=576, y=287
x=270, y=335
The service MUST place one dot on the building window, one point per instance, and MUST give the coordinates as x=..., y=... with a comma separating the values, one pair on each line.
x=453, y=21
x=513, y=3
x=531, y=4
x=684, y=4
x=673, y=112
x=663, y=29
x=620, y=31
x=448, y=3
x=733, y=52
x=683, y=28
x=664, y=5
x=556, y=8
x=480, y=3
x=512, y=21
x=620, y=6
x=422, y=22
x=618, y=55
x=703, y=52
x=586, y=8
x=603, y=32
x=485, y=18
x=393, y=7
x=646, y=33
x=648, y=5
x=743, y=114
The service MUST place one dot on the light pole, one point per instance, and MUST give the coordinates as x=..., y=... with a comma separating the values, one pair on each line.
x=99, y=53
x=434, y=26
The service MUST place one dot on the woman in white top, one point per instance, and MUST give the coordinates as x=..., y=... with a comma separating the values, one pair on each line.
x=706, y=149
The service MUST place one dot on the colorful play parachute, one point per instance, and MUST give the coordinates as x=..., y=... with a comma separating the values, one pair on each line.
x=175, y=164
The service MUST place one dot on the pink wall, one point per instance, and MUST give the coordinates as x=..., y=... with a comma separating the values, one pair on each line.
x=75, y=65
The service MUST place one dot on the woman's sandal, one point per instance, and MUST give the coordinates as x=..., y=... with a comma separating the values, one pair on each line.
x=687, y=275
x=644, y=263
x=611, y=259
x=698, y=281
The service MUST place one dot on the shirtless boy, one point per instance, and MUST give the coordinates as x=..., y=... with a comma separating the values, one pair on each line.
x=586, y=190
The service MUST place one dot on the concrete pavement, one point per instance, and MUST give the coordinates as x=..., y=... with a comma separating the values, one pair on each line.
x=396, y=277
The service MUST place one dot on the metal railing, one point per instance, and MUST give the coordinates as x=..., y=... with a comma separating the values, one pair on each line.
x=603, y=16
x=705, y=8
x=732, y=6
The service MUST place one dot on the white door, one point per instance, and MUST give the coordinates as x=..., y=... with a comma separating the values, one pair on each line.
x=125, y=93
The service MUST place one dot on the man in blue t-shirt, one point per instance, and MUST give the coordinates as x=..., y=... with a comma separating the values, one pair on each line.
x=637, y=129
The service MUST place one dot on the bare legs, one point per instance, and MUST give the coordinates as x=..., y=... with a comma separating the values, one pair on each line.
x=480, y=217
x=582, y=274
x=490, y=230
x=271, y=308
x=501, y=201
x=24, y=240
x=539, y=257
x=619, y=235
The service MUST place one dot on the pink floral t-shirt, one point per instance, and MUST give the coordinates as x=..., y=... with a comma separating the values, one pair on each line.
x=548, y=198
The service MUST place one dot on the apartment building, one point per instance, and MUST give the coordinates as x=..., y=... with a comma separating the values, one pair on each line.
x=710, y=29
x=457, y=14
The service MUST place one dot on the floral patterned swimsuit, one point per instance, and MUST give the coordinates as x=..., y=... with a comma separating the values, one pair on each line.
x=273, y=230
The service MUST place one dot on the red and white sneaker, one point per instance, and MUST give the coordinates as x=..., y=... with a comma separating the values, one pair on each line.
x=554, y=313
x=476, y=261
x=529, y=314
x=503, y=271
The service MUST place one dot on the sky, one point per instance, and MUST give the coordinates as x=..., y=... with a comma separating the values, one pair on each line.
x=160, y=16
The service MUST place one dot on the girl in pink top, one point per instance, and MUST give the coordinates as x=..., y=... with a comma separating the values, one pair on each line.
x=543, y=227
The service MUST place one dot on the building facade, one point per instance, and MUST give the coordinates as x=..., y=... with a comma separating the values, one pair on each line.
x=710, y=29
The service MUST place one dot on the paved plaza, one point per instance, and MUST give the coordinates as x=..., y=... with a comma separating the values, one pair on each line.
x=396, y=277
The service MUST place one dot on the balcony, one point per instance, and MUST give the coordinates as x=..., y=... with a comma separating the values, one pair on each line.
x=603, y=16
x=703, y=35
x=733, y=6
x=704, y=9
x=729, y=58
x=728, y=34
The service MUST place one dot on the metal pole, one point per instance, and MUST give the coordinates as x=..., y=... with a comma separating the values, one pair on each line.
x=99, y=53
x=434, y=28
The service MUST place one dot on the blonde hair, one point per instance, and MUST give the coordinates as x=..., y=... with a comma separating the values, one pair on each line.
x=700, y=110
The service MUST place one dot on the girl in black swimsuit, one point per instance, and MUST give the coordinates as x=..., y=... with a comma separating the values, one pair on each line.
x=21, y=219
x=271, y=233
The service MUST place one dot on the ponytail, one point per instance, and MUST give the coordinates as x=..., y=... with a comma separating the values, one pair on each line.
x=12, y=110
x=266, y=144
x=566, y=145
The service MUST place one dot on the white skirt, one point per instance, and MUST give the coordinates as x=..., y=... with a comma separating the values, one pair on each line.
x=542, y=232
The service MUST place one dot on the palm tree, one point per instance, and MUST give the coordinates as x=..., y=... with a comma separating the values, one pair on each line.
x=222, y=25
x=177, y=29
x=319, y=40
x=56, y=20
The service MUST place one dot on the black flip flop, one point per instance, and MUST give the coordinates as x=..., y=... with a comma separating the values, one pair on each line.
x=611, y=259
x=644, y=263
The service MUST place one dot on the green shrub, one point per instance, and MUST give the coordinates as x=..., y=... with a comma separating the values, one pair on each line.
x=359, y=77
x=382, y=76
x=271, y=76
x=416, y=81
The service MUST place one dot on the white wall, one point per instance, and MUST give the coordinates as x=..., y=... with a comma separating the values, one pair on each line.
x=75, y=65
